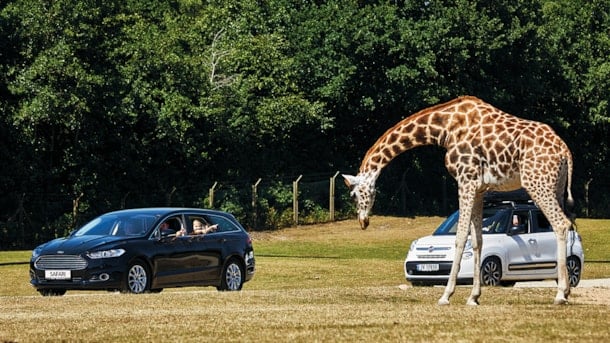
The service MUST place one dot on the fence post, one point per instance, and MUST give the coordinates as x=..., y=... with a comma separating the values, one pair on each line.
x=295, y=200
x=255, y=202
x=331, y=198
x=211, y=194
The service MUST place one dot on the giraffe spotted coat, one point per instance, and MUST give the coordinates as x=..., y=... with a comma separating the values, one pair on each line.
x=487, y=149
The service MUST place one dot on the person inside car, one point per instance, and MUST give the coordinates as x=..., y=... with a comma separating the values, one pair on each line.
x=519, y=224
x=165, y=229
x=199, y=228
x=181, y=232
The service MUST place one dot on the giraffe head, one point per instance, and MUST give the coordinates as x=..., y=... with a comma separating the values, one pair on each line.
x=362, y=190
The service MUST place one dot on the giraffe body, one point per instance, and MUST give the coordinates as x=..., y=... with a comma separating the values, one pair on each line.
x=487, y=150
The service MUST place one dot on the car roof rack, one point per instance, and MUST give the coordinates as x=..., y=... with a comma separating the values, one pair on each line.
x=518, y=196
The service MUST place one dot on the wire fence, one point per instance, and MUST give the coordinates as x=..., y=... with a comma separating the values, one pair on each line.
x=261, y=204
x=264, y=204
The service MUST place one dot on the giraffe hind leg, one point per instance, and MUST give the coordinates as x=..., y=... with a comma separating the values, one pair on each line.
x=477, y=245
x=552, y=210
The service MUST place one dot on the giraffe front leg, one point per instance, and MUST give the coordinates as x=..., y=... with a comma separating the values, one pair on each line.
x=450, y=288
x=460, y=242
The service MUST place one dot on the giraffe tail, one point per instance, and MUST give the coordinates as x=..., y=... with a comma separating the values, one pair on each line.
x=569, y=200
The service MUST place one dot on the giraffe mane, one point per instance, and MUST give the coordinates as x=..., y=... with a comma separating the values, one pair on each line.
x=411, y=118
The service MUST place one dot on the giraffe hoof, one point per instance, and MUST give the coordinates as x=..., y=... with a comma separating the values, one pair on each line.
x=472, y=303
x=443, y=302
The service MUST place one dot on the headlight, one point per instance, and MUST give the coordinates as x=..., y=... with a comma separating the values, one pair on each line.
x=467, y=254
x=105, y=253
x=36, y=252
x=468, y=245
x=413, y=244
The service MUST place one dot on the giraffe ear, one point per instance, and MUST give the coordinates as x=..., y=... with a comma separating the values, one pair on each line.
x=350, y=181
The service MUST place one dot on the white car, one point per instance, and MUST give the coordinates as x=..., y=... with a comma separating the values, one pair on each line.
x=518, y=245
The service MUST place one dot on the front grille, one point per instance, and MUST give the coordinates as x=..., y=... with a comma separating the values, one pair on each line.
x=431, y=256
x=432, y=252
x=72, y=262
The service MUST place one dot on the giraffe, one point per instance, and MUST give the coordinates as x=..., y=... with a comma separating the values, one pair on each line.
x=486, y=150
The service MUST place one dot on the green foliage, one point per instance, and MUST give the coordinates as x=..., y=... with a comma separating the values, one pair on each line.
x=275, y=206
x=108, y=105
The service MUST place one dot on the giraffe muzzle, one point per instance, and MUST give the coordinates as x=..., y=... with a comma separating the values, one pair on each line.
x=364, y=223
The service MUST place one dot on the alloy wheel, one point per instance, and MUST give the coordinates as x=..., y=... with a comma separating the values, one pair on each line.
x=137, y=279
x=573, y=271
x=491, y=272
x=232, y=278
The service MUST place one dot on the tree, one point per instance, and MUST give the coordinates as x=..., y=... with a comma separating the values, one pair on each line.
x=576, y=36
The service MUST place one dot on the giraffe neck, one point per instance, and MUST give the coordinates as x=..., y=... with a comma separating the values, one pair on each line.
x=417, y=130
x=432, y=126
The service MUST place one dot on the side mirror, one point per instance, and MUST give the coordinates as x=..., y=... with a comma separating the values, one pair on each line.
x=516, y=230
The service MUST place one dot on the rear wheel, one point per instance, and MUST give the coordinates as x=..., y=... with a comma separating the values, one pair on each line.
x=574, y=270
x=137, y=278
x=232, y=276
x=491, y=272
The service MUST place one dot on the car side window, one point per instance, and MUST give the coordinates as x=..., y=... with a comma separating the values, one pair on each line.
x=224, y=225
x=520, y=223
x=494, y=222
x=168, y=227
x=196, y=223
x=543, y=224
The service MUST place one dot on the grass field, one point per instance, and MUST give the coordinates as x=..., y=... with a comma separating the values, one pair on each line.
x=321, y=283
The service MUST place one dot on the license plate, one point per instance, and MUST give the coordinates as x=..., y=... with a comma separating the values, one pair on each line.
x=430, y=267
x=57, y=274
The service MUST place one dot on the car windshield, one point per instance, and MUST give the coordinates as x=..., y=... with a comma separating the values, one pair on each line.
x=117, y=225
x=494, y=221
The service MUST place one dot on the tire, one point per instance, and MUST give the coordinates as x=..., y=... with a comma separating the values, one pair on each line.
x=137, y=279
x=52, y=292
x=491, y=272
x=574, y=270
x=232, y=276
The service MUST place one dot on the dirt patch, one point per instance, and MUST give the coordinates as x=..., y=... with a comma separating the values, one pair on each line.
x=593, y=296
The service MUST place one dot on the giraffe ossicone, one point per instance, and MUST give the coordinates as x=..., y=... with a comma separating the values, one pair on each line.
x=487, y=150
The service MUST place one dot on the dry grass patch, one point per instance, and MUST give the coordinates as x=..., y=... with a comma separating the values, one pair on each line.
x=322, y=283
x=385, y=313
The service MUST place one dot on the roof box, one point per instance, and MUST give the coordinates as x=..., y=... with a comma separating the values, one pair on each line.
x=517, y=196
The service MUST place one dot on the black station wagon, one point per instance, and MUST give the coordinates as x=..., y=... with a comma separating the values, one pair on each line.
x=146, y=250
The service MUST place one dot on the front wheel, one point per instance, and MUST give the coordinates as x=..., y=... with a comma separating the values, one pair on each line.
x=491, y=272
x=232, y=276
x=574, y=270
x=136, y=280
